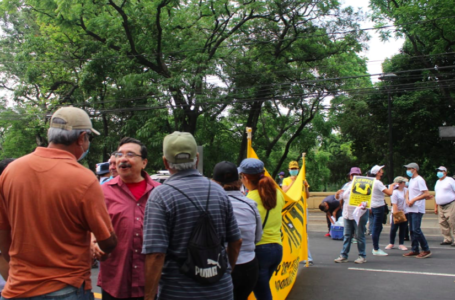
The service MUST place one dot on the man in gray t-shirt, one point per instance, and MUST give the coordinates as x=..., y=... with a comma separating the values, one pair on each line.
x=170, y=218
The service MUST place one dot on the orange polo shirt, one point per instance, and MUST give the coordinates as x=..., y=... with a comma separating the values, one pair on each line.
x=50, y=203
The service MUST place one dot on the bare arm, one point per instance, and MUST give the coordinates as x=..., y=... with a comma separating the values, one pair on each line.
x=334, y=213
x=108, y=245
x=435, y=207
x=395, y=207
x=406, y=198
x=153, y=266
x=389, y=191
x=330, y=218
x=5, y=243
x=233, y=251
x=307, y=190
x=337, y=195
x=424, y=195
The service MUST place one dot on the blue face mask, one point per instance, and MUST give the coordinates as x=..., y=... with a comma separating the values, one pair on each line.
x=440, y=174
x=294, y=172
x=409, y=173
x=84, y=154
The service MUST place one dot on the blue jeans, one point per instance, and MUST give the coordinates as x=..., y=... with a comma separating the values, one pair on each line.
x=378, y=217
x=310, y=258
x=370, y=221
x=350, y=227
x=393, y=232
x=415, y=220
x=269, y=257
x=67, y=293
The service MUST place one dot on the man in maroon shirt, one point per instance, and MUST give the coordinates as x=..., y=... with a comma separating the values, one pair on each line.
x=122, y=274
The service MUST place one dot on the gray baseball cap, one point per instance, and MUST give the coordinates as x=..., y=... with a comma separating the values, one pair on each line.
x=442, y=168
x=412, y=166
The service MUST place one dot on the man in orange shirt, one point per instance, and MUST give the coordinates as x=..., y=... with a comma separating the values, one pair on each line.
x=49, y=204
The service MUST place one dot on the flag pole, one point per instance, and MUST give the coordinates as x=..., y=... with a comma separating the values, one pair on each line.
x=305, y=219
x=249, y=135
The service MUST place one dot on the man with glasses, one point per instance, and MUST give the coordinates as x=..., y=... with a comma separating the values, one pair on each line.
x=49, y=204
x=122, y=274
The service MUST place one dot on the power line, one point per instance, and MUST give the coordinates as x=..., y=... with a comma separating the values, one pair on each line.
x=238, y=45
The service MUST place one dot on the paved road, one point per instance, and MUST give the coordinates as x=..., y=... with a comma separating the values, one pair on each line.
x=328, y=280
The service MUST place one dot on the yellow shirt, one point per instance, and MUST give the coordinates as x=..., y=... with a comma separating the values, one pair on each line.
x=272, y=230
x=288, y=181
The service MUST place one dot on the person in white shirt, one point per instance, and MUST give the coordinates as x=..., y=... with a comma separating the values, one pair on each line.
x=398, y=204
x=378, y=207
x=350, y=225
x=415, y=201
x=445, y=205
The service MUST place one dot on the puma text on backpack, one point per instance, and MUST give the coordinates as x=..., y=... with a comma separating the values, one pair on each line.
x=206, y=260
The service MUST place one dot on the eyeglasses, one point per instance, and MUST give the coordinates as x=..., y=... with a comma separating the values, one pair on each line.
x=89, y=136
x=127, y=155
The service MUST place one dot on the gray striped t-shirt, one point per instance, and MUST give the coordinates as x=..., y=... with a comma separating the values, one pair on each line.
x=168, y=222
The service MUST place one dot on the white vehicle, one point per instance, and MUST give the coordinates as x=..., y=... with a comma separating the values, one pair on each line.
x=161, y=176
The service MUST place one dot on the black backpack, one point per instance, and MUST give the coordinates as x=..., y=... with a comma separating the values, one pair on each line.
x=206, y=260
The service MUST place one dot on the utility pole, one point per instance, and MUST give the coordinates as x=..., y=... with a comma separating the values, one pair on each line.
x=389, y=77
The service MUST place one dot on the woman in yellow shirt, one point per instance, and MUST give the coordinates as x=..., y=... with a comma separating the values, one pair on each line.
x=270, y=201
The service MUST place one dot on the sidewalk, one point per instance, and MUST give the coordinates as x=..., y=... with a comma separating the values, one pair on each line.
x=317, y=222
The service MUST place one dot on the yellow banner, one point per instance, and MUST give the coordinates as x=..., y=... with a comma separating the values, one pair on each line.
x=293, y=235
x=361, y=191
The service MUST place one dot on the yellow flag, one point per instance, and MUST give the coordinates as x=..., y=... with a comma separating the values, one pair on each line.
x=293, y=235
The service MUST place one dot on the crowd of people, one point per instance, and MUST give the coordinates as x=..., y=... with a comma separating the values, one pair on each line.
x=408, y=200
x=188, y=238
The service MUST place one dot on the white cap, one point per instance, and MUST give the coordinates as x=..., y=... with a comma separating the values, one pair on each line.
x=376, y=169
x=441, y=168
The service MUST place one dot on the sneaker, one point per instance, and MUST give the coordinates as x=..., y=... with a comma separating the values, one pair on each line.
x=406, y=238
x=360, y=260
x=403, y=247
x=446, y=243
x=354, y=240
x=411, y=254
x=327, y=234
x=379, y=252
x=424, y=254
x=389, y=246
x=341, y=259
x=310, y=263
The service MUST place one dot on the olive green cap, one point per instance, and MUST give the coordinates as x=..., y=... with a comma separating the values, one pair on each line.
x=179, y=147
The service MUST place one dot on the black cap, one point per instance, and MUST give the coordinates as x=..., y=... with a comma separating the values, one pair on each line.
x=225, y=172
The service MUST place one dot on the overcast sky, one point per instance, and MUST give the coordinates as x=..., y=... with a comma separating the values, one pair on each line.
x=378, y=50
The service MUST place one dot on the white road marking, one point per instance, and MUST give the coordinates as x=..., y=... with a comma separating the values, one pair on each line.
x=444, y=248
x=403, y=272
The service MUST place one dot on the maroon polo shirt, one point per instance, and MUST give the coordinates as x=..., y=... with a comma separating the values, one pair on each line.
x=122, y=274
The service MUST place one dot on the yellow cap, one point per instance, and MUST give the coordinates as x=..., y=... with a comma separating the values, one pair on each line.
x=293, y=164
